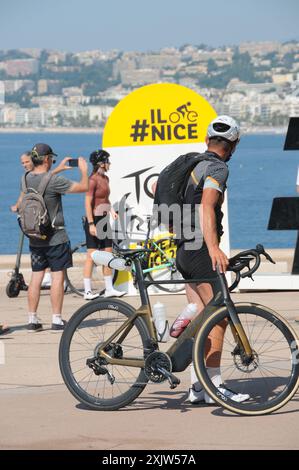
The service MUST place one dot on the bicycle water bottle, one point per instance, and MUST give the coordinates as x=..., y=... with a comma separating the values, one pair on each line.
x=161, y=324
x=183, y=320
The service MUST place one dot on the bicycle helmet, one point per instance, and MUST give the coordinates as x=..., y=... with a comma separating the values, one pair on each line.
x=99, y=156
x=224, y=127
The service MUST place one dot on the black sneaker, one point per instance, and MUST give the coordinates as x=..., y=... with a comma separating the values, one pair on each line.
x=57, y=326
x=34, y=327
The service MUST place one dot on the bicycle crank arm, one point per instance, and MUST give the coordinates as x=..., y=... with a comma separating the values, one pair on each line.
x=172, y=379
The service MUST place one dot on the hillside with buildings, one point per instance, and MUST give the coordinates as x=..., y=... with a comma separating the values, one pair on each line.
x=257, y=83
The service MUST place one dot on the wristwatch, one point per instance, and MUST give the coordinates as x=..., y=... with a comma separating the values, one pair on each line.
x=90, y=223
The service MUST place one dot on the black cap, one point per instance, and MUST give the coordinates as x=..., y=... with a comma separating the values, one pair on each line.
x=42, y=150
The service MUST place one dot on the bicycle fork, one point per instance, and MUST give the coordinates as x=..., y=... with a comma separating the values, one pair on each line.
x=238, y=331
x=235, y=324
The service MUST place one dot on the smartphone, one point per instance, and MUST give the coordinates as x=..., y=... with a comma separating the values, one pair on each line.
x=73, y=162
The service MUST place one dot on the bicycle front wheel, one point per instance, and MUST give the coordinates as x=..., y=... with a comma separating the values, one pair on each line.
x=92, y=380
x=269, y=380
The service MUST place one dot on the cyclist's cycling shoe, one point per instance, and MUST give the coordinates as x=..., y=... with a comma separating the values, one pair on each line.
x=234, y=396
x=112, y=293
x=90, y=296
x=197, y=396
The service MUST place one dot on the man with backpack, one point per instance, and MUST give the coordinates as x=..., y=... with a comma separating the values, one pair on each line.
x=41, y=219
x=194, y=184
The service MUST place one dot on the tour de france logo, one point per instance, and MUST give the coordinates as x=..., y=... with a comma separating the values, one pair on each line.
x=180, y=124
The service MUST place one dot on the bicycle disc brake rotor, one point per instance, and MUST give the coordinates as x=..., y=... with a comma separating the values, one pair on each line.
x=153, y=363
x=241, y=363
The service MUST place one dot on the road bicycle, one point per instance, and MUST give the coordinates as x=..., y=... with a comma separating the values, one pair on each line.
x=109, y=350
x=158, y=264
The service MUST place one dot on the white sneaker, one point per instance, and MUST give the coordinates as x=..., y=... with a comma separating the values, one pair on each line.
x=196, y=396
x=238, y=397
x=90, y=296
x=113, y=293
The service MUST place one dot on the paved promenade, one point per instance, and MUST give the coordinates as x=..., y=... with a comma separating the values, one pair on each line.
x=38, y=412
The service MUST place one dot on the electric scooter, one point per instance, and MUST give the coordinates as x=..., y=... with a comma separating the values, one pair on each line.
x=17, y=282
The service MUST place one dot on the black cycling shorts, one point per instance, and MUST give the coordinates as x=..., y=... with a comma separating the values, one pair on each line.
x=57, y=257
x=195, y=264
x=98, y=243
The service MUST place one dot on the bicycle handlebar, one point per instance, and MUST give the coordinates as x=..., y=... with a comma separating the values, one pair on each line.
x=242, y=260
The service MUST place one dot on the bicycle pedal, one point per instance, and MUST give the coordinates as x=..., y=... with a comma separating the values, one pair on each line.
x=172, y=379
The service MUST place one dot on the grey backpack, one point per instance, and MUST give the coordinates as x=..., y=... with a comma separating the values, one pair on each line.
x=33, y=215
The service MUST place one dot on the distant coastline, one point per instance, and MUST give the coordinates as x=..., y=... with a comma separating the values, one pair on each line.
x=99, y=130
x=51, y=130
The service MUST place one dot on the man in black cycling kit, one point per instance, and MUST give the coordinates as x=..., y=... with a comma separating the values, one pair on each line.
x=198, y=251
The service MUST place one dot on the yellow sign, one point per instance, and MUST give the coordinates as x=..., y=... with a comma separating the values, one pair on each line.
x=159, y=114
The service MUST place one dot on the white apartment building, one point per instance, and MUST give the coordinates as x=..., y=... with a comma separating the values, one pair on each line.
x=114, y=93
x=99, y=113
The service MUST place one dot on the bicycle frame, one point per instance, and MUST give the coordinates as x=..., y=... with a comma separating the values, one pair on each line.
x=167, y=264
x=181, y=349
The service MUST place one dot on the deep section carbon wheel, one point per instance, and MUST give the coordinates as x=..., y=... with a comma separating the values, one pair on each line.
x=86, y=372
x=268, y=378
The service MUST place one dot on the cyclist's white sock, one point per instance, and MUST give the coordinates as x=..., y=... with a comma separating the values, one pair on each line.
x=32, y=317
x=195, y=383
x=108, y=282
x=87, y=284
x=215, y=375
x=56, y=318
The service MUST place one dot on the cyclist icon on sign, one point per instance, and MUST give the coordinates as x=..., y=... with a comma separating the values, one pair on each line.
x=182, y=112
x=183, y=109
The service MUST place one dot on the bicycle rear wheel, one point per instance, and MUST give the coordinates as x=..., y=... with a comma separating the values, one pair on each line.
x=88, y=328
x=168, y=273
x=270, y=378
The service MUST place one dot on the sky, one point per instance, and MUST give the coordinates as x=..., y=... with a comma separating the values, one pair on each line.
x=78, y=25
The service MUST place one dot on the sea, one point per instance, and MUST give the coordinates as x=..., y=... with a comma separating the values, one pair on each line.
x=260, y=170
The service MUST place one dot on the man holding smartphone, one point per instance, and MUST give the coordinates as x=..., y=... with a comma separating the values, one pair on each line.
x=54, y=252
